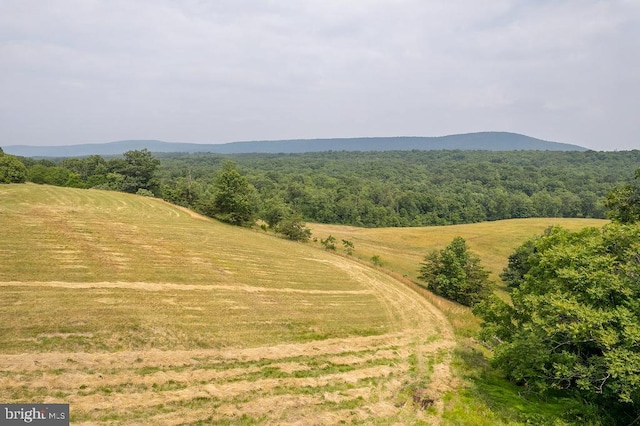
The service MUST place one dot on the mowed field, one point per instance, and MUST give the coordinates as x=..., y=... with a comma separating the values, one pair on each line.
x=403, y=249
x=135, y=311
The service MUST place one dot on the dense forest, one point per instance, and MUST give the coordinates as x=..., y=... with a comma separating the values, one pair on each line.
x=371, y=189
x=413, y=188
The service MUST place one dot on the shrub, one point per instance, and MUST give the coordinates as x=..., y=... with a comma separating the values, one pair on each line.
x=456, y=274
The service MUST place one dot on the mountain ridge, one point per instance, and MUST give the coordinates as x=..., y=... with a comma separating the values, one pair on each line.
x=484, y=141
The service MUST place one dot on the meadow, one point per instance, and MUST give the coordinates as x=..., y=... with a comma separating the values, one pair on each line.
x=403, y=249
x=481, y=395
x=135, y=311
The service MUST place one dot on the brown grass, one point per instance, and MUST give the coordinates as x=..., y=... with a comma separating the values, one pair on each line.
x=403, y=249
x=136, y=312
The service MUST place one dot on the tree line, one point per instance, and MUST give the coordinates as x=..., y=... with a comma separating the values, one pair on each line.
x=371, y=189
x=411, y=188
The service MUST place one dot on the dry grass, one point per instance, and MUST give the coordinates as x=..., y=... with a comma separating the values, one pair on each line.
x=136, y=312
x=403, y=249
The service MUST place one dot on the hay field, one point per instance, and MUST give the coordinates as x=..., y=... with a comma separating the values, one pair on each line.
x=403, y=249
x=135, y=311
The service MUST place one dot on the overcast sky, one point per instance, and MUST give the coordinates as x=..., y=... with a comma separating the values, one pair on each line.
x=89, y=71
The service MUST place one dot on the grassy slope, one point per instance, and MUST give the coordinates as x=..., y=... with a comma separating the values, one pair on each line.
x=135, y=311
x=483, y=398
x=402, y=249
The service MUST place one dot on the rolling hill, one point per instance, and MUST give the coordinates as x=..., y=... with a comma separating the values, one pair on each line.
x=492, y=141
x=135, y=311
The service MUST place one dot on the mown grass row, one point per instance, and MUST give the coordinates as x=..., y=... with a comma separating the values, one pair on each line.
x=115, y=303
x=325, y=377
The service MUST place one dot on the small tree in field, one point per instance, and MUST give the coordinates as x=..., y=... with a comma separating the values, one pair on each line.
x=294, y=228
x=376, y=260
x=329, y=243
x=456, y=274
x=348, y=246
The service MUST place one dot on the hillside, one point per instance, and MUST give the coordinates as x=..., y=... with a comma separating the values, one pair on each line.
x=136, y=311
x=491, y=141
x=403, y=249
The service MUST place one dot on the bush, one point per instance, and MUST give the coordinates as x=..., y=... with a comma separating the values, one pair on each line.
x=376, y=260
x=574, y=324
x=456, y=274
x=294, y=228
x=145, y=192
x=329, y=243
x=11, y=169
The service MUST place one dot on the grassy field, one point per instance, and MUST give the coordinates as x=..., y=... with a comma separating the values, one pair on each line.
x=135, y=311
x=481, y=396
x=403, y=249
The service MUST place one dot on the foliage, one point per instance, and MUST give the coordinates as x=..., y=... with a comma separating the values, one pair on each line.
x=371, y=189
x=623, y=202
x=575, y=320
x=520, y=262
x=274, y=212
x=11, y=169
x=144, y=192
x=456, y=274
x=377, y=260
x=294, y=228
x=135, y=171
x=329, y=243
x=348, y=246
x=418, y=188
x=234, y=200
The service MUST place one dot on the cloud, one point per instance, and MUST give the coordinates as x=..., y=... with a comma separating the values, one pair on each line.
x=95, y=70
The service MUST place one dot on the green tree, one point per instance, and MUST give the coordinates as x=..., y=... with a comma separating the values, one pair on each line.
x=136, y=169
x=275, y=211
x=235, y=200
x=52, y=175
x=456, y=274
x=329, y=243
x=348, y=246
x=11, y=169
x=575, y=319
x=141, y=167
x=92, y=169
x=623, y=202
x=294, y=228
x=520, y=262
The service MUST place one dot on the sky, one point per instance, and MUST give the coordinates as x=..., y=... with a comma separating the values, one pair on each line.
x=92, y=71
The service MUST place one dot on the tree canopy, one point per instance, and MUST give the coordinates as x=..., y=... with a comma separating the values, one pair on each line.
x=456, y=274
x=11, y=169
x=234, y=200
x=575, y=320
x=623, y=202
x=372, y=189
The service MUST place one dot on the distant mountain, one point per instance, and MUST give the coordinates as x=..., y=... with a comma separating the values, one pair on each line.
x=487, y=141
